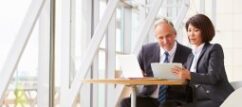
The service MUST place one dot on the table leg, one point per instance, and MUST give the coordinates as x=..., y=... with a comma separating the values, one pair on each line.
x=133, y=96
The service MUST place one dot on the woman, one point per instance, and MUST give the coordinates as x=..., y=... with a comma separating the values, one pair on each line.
x=205, y=69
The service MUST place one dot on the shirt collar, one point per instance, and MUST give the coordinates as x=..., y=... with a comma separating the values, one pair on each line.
x=196, y=50
x=171, y=52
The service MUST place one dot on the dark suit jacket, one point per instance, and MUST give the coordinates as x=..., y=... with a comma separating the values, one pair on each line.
x=151, y=53
x=210, y=81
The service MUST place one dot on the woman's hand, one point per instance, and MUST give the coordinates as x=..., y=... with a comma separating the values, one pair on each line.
x=181, y=72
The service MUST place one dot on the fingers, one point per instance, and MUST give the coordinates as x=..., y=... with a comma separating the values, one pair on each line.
x=180, y=72
x=178, y=69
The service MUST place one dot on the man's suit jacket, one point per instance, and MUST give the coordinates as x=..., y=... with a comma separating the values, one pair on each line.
x=151, y=53
x=210, y=80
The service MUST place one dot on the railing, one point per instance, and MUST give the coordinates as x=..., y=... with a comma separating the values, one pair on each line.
x=20, y=98
x=27, y=97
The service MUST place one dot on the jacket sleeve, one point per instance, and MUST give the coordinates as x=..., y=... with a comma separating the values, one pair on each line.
x=141, y=59
x=147, y=90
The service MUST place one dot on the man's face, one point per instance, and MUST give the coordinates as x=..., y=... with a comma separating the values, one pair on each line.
x=165, y=36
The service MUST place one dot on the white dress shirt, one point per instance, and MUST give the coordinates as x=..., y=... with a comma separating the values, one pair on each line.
x=162, y=58
x=196, y=52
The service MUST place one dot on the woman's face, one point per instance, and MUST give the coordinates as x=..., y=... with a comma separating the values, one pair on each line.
x=194, y=35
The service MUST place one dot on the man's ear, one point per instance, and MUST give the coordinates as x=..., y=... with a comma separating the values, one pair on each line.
x=175, y=35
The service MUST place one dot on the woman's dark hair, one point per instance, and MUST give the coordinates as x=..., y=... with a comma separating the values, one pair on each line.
x=203, y=23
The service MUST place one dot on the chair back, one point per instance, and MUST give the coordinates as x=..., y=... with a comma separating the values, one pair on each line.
x=233, y=99
x=236, y=84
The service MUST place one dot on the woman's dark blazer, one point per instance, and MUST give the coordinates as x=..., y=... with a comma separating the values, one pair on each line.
x=210, y=78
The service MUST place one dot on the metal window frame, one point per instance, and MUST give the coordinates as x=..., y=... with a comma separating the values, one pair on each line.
x=46, y=68
x=178, y=22
x=91, y=52
x=19, y=44
x=202, y=6
x=110, y=61
x=65, y=50
x=142, y=34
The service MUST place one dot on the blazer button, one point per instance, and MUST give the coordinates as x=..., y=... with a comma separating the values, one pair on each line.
x=207, y=91
x=196, y=86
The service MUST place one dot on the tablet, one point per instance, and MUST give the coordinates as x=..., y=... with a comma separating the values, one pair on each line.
x=163, y=70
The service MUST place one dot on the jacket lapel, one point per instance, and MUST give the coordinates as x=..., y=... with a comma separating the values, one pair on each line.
x=202, y=52
x=157, y=53
x=177, y=53
x=189, y=61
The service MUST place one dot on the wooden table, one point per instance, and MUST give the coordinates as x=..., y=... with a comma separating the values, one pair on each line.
x=134, y=82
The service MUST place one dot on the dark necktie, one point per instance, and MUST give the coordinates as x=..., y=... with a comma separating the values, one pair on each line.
x=163, y=88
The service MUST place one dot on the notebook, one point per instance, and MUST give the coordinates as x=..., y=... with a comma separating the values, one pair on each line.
x=129, y=66
x=163, y=70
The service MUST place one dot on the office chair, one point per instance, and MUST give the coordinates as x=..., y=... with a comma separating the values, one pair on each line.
x=233, y=99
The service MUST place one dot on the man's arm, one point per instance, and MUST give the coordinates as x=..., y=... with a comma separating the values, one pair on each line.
x=141, y=59
x=147, y=90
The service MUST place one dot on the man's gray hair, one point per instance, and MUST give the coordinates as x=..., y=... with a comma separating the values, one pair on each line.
x=164, y=20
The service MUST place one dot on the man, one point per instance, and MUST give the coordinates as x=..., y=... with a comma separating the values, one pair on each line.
x=167, y=48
